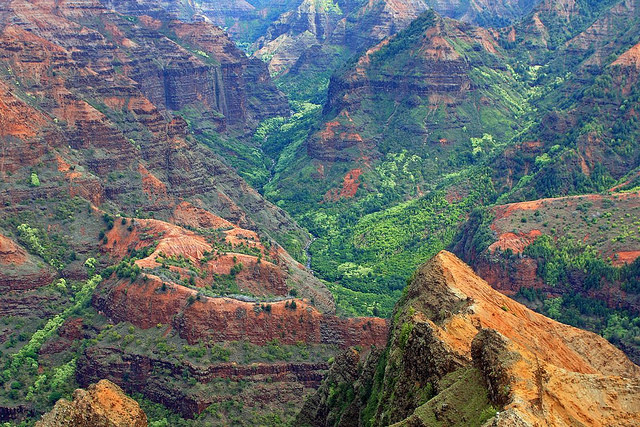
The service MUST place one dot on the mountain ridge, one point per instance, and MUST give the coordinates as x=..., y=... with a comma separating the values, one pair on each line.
x=533, y=368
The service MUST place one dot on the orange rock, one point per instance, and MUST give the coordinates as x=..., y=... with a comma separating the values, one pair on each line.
x=101, y=404
x=152, y=186
x=21, y=271
x=350, y=185
x=556, y=374
x=625, y=257
x=10, y=252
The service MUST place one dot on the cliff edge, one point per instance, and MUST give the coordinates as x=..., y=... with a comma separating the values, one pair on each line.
x=461, y=353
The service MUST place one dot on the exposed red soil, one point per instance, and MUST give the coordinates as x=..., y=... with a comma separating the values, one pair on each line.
x=152, y=186
x=552, y=372
x=150, y=22
x=585, y=218
x=20, y=271
x=258, y=277
x=350, y=184
x=506, y=210
x=630, y=58
x=627, y=182
x=145, y=304
x=515, y=242
x=10, y=252
x=626, y=257
x=187, y=214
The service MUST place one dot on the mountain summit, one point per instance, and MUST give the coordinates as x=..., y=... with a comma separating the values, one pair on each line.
x=461, y=353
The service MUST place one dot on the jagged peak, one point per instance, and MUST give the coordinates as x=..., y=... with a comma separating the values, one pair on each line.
x=450, y=294
x=453, y=334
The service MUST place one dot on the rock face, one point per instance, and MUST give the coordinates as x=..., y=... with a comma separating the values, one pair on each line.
x=100, y=121
x=158, y=296
x=19, y=270
x=453, y=334
x=228, y=319
x=149, y=302
x=360, y=25
x=270, y=383
x=101, y=405
x=95, y=139
x=424, y=72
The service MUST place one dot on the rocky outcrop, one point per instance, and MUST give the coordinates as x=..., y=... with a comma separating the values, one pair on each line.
x=102, y=404
x=231, y=250
x=95, y=118
x=295, y=32
x=426, y=71
x=150, y=301
x=454, y=337
x=249, y=94
x=359, y=26
x=350, y=377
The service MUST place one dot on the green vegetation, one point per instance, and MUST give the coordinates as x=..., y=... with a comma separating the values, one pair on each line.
x=43, y=245
x=465, y=398
x=432, y=164
x=576, y=271
x=327, y=6
x=34, y=181
x=26, y=376
x=530, y=120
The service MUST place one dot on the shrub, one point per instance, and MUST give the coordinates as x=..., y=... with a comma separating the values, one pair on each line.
x=34, y=181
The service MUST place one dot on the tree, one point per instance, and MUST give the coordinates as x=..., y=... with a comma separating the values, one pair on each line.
x=34, y=181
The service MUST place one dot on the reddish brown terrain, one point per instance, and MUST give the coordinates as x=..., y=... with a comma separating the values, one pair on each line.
x=439, y=83
x=472, y=346
x=604, y=225
x=199, y=318
x=292, y=41
x=508, y=217
x=103, y=403
x=139, y=144
x=517, y=225
x=19, y=270
x=550, y=370
x=99, y=167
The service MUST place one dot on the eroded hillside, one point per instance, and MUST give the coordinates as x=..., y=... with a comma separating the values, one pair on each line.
x=131, y=248
x=461, y=353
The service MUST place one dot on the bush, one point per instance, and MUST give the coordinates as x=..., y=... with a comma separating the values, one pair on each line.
x=34, y=181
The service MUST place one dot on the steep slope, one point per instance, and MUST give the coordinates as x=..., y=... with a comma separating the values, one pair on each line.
x=109, y=106
x=444, y=117
x=119, y=215
x=459, y=352
x=585, y=126
x=244, y=20
x=441, y=96
x=417, y=112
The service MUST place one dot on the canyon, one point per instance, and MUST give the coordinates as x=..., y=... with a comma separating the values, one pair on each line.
x=224, y=210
